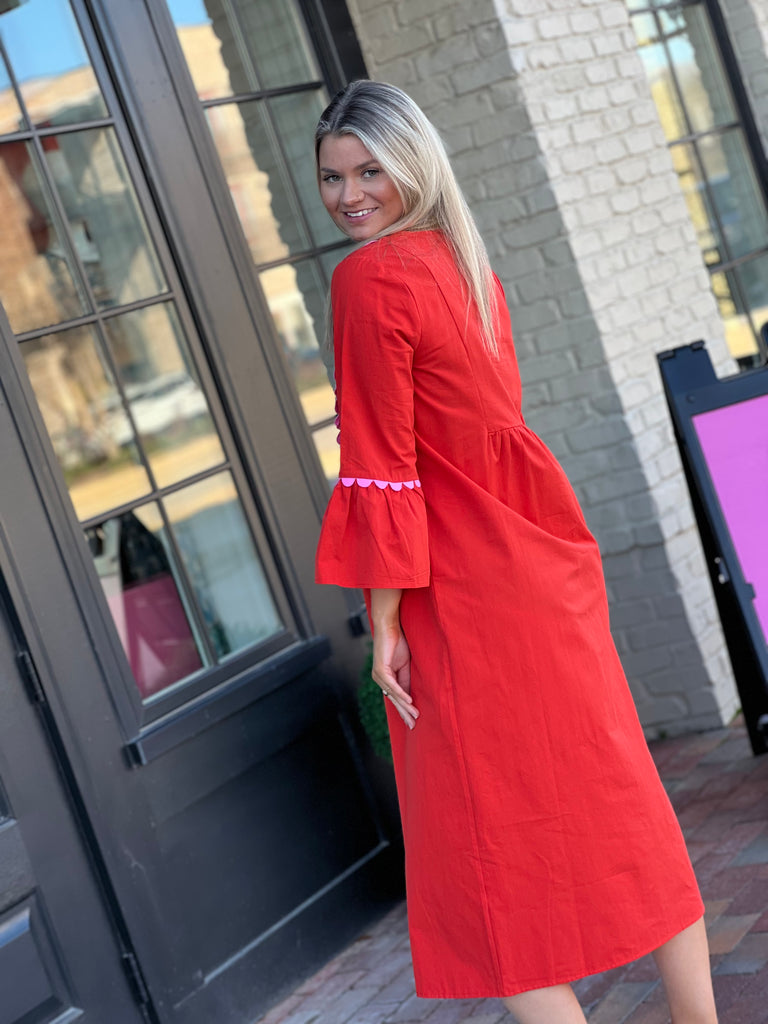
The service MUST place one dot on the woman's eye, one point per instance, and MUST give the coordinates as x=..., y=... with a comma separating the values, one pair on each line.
x=331, y=178
x=370, y=172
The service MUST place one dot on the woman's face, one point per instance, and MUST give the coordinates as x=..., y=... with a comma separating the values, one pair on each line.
x=356, y=190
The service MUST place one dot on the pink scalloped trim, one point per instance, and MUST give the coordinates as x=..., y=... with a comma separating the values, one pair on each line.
x=361, y=481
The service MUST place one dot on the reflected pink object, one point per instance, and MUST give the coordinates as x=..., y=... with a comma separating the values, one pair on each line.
x=735, y=445
x=153, y=630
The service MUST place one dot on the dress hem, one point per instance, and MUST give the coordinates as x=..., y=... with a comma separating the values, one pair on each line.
x=425, y=992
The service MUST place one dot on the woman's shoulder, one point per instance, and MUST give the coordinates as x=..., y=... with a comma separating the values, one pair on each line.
x=403, y=255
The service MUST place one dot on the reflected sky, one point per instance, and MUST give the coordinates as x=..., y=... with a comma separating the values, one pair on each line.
x=188, y=12
x=42, y=39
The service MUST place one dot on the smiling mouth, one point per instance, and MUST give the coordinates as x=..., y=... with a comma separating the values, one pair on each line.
x=359, y=213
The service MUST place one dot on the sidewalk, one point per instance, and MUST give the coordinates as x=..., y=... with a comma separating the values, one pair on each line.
x=720, y=793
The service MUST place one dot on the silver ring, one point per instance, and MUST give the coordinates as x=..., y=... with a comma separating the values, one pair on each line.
x=386, y=693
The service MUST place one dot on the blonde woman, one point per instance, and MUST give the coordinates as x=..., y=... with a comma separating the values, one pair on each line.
x=540, y=844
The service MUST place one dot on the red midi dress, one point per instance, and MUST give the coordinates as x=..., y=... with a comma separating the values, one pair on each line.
x=540, y=844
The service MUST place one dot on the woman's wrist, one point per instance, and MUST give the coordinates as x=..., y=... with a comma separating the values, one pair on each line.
x=385, y=610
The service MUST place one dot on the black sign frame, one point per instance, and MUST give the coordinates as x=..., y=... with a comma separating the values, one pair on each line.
x=692, y=387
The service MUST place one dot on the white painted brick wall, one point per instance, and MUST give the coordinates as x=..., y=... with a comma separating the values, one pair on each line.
x=547, y=114
x=747, y=24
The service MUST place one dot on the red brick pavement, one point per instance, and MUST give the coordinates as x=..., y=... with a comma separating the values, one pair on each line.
x=721, y=795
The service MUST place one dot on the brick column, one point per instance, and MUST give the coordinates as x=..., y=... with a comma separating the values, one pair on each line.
x=547, y=114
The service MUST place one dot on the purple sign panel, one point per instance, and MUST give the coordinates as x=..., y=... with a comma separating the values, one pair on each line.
x=734, y=440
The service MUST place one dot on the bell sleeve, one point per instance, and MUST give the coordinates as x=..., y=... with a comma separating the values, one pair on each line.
x=374, y=532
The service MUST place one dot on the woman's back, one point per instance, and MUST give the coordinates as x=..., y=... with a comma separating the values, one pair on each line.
x=460, y=389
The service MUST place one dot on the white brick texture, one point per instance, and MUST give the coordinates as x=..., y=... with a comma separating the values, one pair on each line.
x=554, y=136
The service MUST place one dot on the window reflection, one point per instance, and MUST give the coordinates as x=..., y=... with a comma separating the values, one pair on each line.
x=45, y=49
x=258, y=182
x=84, y=416
x=753, y=278
x=278, y=42
x=168, y=405
x=736, y=194
x=120, y=397
x=11, y=117
x=698, y=202
x=656, y=64
x=143, y=598
x=297, y=116
x=738, y=330
x=37, y=280
x=695, y=102
x=258, y=44
x=296, y=298
x=104, y=216
x=700, y=75
x=213, y=75
x=327, y=446
x=330, y=260
x=221, y=561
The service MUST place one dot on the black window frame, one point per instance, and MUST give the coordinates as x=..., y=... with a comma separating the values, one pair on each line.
x=745, y=121
x=264, y=664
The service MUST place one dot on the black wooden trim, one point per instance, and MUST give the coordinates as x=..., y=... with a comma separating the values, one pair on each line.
x=264, y=94
x=739, y=261
x=27, y=134
x=305, y=254
x=334, y=34
x=75, y=800
x=237, y=693
x=88, y=319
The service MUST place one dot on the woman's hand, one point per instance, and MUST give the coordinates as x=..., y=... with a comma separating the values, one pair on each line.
x=391, y=654
x=392, y=670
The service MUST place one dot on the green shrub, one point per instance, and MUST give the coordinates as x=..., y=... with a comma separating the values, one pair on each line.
x=373, y=714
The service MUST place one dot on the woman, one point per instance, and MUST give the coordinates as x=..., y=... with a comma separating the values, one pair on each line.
x=540, y=845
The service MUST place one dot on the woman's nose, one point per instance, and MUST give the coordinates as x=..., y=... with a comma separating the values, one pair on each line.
x=351, y=192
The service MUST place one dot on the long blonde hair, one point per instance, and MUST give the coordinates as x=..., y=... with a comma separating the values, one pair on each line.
x=401, y=138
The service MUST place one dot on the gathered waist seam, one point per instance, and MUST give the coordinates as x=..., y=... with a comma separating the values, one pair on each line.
x=506, y=430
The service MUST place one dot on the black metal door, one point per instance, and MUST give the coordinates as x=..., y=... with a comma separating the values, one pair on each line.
x=159, y=507
x=59, y=956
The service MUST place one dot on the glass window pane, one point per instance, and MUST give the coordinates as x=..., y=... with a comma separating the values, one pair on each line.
x=221, y=561
x=84, y=416
x=296, y=297
x=296, y=117
x=51, y=65
x=37, y=283
x=167, y=403
x=656, y=64
x=258, y=182
x=234, y=49
x=737, y=195
x=143, y=597
x=104, y=217
x=330, y=260
x=753, y=278
x=215, y=55
x=277, y=39
x=327, y=445
x=699, y=70
x=699, y=204
x=11, y=117
x=739, y=335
